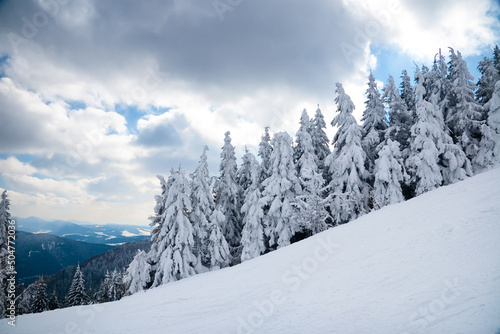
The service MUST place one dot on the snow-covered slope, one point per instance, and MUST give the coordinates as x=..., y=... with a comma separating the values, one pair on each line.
x=429, y=265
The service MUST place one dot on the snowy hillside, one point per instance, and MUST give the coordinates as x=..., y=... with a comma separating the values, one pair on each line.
x=429, y=265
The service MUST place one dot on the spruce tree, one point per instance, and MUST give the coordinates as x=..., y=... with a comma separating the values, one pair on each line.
x=374, y=122
x=312, y=213
x=280, y=191
x=304, y=129
x=400, y=120
x=203, y=205
x=227, y=192
x=320, y=142
x=173, y=240
x=53, y=301
x=389, y=174
x=102, y=296
x=486, y=83
x=407, y=93
x=265, y=151
x=252, y=237
x=138, y=274
x=464, y=114
x=349, y=192
x=76, y=294
x=217, y=247
x=426, y=133
x=40, y=302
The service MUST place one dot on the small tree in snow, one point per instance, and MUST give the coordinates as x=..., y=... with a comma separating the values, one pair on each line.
x=349, y=193
x=40, y=302
x=76, y=294
x=53, y=301
x=389, y=175
x=216, y=245
x=252, y=238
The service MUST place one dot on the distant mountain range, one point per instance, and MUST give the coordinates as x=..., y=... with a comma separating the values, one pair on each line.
x=109, y=234
x=47, y=254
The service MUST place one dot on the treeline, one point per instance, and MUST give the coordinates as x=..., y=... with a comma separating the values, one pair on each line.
x=412, y=139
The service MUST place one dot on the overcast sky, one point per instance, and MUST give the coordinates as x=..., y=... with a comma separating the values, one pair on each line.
x=98, y=97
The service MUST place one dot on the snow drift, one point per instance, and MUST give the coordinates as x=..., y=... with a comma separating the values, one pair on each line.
x=429, y=265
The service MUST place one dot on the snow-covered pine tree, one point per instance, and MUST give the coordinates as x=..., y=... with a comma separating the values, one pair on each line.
x=389, y=174
x=349, y=192
x=400, y=120
x=227, y=192
x=486, y=83
x=53, y=301
x=40, y=302
x=375, y=123
x=464, y=113
x=76, y=294
x=4, y=228
x=173, y=240
x=452, y=161
x=265, y=150
x=496, y=57
x=218, y=254
x=489, y=147
x=138, y=274
x=243, y=175
x=102, y=296
x=407, y=93
x=252, y=237
x=304, y=128
x=203, y=205
x=320, y=142
x=312, y=213
x=280, y=191
x=425, y=134
x=25, y=299
x=116, y=286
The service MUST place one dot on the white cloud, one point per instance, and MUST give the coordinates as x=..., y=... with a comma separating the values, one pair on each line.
x=12, y=166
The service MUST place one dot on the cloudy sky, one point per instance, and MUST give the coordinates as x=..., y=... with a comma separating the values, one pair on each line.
x=98, y=97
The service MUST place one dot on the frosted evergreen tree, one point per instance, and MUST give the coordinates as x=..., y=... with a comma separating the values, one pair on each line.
x=252, y=237
x=374, y=122
x=173, y=241
x=227, y=192
x=464, y=113
x=265, y=151
x=400, y=120
x=389, y=174
x=349, y=192
x=407, y=93
x=159, y=208
x=102, y=296
x=25, y=299
x=425, y=134
x=53, y=301
x=138, y=274
x=280, y=191
x=40, y=302
x=489, y=147
x=312, y=213
x=486, y=83
x=76, y=294
x=203, y=205
x=320, y=142
x=217, y=248
x=496, y=57
x=243, y=175
x=4, y=253
x=116, y=288
x=304, y=129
